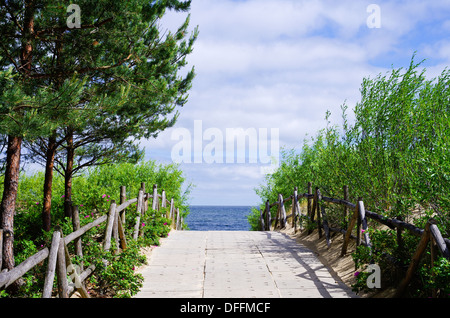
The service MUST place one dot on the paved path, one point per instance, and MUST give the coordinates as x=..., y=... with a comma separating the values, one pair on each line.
x=192, y=264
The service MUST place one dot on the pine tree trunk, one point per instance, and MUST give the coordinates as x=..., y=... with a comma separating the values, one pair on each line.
x=47, y=205
x=68, y=175
x=8, y=205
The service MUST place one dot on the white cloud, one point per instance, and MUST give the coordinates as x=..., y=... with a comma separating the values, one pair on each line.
x=283, y=64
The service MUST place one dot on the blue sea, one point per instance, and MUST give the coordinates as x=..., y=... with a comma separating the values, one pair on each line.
x=218, y=218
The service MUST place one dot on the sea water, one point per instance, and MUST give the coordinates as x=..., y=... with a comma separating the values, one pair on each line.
x=218, y=218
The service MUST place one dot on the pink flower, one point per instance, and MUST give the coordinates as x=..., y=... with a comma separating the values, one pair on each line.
x=62, y=196
x=356, y=274
x=143, y=224
x=37, y=203
x=103, y=196
x=165, y=223
x=81, y=205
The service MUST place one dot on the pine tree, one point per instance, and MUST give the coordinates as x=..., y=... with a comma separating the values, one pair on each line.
x=111, y=66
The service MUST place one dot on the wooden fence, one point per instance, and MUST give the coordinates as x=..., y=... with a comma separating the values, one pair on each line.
x=359, y=218
x=59, y=261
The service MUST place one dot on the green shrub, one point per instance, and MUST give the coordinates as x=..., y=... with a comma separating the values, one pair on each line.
x=93, y=192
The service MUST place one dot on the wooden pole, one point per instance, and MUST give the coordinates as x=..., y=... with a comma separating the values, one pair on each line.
x=362, y=216
x=138, y=214
x=61, y=269
x=262, y=226
x=348, y=233
x=121, y=230
x=317, y=209
x=155, y=197
x=123, y=199
x=76, y=227
x=163, y=199
x=295, y=212
x=268, y=216
x=51, y=266
x=309, y=201
x=115, y=231
x=178, y=219
x=345, y=188
x=325, y=225
x=425, y=238
x=109, y=226
x=282, y=211
x=172, y=212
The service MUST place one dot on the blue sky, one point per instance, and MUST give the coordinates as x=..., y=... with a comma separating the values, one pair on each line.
x=281, y=64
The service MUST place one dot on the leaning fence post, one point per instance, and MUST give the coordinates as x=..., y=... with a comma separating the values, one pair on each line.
x=348, y=233
x=51, y=266
x=268, y=216
x=424, y=239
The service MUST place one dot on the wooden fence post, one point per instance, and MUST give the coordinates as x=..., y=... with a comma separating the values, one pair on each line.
x=313, y=210
x=425, y=238
x=295, y=209
x=178, y=219
x=123, y=199
x=268, y=216
x=155, y=198
x=362, y=216
x=163, y=198
x=348, y=233
x=317, y=209
x=309, y=201
x=109, y=226
x=139, y=207
x=51, y=266
x=76, y=227
x=262, y=226
x=346, y=198
x=172, y=212
x=282, y=211
x=63, y=285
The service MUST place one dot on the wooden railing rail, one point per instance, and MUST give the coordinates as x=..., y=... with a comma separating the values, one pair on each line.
x=59, y=261
x=358, y=219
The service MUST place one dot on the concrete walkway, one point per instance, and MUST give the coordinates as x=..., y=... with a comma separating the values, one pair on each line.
x=192, y=264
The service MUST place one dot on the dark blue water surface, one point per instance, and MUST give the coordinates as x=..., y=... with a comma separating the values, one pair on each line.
x=218, y=218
